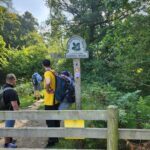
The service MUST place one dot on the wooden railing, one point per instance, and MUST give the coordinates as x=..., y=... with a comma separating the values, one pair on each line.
x=111, y=133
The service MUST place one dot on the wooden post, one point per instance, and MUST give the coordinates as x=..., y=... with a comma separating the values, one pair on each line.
x=112, y=128
x=77, y=49
x=77, y=76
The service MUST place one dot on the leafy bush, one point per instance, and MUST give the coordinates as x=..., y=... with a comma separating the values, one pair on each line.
x=25, y=89
x=143, y=112
x=134, y=110
x=25, y=92
x=98, y=96
x=23, y=63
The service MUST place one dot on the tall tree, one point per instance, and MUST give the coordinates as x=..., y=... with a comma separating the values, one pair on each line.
x=123, y=55
x=15, y=28
x=91, y=18
x=9, y=26
x=28, y=23
x=6, y=3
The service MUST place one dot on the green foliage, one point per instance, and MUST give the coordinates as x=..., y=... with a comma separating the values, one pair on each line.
x=23, y=63
x=57, y=56
x=97, y=96
x=117, y=72
x=24, y=89
x=127, y=106
x=28, y=23
x=78, y=144
x=3, y=54
x=143, y=110
x=131, y=50
x=127, y=101
x=89, y=18
x=134, y=110
x=9, y=26
x=25, y=92
x=123, y=56
x=6, y=3
x=26, y=101
x=14, y=28
x=32, y=38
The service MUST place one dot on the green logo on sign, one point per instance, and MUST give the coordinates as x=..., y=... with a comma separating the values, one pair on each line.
x=76, y=47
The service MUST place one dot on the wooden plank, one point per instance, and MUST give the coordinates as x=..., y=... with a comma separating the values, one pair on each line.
x=77, y=76
x=135, y=134
x=54, y=132
x=112, y=125
x=42, y=149
x=54, y=115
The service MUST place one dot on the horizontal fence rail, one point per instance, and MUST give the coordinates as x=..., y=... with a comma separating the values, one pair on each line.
x=98, y=133
x=112, y=133
x=134, y=134
x=54, y=115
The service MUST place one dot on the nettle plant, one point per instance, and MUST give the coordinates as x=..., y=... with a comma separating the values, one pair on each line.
x=134, y=110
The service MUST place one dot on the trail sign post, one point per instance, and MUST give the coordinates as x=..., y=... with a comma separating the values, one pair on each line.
x=77, y=49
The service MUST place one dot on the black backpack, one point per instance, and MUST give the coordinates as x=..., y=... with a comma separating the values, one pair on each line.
x=61, y=88
x=2, y=103
x=64, y=89
x=70, y=94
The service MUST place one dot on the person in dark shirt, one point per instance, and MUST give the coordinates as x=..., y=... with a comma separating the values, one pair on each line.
x=11, y=100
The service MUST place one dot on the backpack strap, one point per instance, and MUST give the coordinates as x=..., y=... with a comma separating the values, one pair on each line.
x=7, y=88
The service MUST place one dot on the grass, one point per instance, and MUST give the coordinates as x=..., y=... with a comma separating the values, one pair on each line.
x=41, y=107
x=26, y=101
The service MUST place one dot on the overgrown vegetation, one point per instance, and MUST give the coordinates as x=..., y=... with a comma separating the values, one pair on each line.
x=118, y=38
x=25, y=92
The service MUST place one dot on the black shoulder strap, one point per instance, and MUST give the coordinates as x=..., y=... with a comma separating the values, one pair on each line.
x=7, y=88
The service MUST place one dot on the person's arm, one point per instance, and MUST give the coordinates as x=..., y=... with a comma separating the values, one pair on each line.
x=15, y=105
x=47, y=86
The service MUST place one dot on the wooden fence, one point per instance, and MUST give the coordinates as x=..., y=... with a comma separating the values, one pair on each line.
x=111, y=133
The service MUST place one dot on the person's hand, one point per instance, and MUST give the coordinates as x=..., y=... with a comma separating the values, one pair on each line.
x=50, y=91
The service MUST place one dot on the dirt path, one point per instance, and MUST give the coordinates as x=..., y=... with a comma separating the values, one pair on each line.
x=29, y=142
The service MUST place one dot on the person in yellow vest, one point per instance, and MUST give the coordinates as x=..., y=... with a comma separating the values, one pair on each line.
x=49, y=98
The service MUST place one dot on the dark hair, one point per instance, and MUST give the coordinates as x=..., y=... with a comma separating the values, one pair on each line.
x=46, y=63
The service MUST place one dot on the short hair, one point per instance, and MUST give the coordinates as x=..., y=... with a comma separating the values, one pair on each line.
x=10, y=77
x=46, y=63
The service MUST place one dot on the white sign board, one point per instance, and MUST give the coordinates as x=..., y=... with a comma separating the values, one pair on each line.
x=77, y=48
